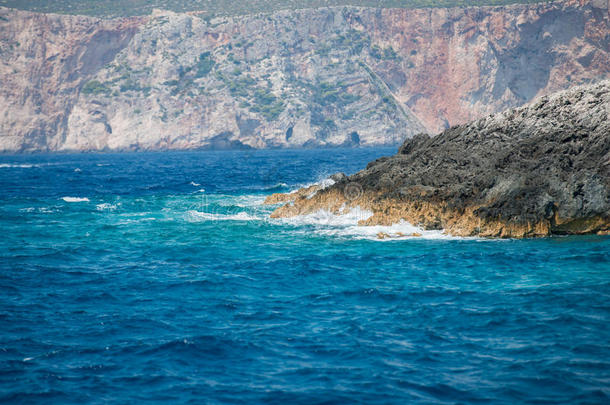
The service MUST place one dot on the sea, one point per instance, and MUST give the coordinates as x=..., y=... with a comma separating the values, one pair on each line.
x=161, y=278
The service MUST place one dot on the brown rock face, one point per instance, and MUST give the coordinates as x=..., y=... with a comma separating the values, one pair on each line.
x=468, y=63
x=537, y=170
x=325, y=77
x=46, y=59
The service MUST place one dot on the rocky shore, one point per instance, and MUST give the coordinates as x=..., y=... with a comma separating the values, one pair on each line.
x=533, y=171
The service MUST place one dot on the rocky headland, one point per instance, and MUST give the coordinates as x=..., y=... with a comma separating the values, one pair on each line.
x=538, y=170
x=335, y=76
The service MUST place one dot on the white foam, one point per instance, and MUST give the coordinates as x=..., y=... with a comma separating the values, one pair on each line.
x=248, y=201
x=401, y=230
x=275, y=186
x=206, y=216
x=105, y=207
x=323, y=217
x=15, y=165
x=322, y=184
x=77, y=170
x=42, y=210
x=346, y=225
x=192, y=183
x=75, y=199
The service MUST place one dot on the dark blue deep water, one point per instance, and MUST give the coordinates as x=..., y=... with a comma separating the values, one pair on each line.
x=159, y=277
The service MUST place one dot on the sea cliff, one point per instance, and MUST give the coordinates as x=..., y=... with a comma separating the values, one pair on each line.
x=339, y=76
x=538, y=170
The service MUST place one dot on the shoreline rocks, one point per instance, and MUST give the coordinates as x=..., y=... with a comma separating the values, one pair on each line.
x=538, y=170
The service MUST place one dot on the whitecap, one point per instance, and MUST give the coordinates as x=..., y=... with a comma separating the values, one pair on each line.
x=346, y=225
x=244, y=201
x=192, y=183
x=400, y=230
x=16, y=165
x=206, y=216
x=277, y=186
x=75, y=199
x=324, y=217
x=105, y=207
x=321, y=184
x=77, y=170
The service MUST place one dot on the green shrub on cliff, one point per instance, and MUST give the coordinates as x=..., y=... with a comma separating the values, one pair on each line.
x=326, y=94
x=204, y=65
x=267, y=104
x=383, y=54
x=95, y=87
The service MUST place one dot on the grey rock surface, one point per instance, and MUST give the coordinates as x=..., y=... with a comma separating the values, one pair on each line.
x=547, y=160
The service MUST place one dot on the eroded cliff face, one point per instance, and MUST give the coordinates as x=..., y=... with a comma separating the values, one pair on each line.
x=325, y=77
x=44, y=62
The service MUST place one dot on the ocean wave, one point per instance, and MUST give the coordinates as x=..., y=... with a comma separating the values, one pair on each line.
x=401, y=230
x=105, y=207
x=17, y=165
x=192, y=183
x=197, y=216
x=75, y=199
x=275, y=187
x=346, y=225
x=244, y=201
x=322, y=184
x=323, y=217
x=41, y=210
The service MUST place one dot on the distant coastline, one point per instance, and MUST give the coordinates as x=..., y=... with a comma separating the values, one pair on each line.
x=309, y=78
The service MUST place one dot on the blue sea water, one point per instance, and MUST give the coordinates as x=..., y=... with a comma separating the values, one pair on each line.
x=159, y=277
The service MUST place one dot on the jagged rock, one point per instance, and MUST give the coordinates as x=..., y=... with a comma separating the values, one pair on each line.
x=343, y=76
x=338, y=177
x=536, y=170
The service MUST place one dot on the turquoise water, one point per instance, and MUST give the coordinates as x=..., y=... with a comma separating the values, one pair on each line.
x=159, y=277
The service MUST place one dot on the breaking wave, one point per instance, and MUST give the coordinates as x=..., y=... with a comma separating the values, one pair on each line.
x=197, y=216
x=75, y=199
x=346, y=225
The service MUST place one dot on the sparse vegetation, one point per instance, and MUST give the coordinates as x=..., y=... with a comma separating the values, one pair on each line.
x=204, y=65
x=267, y=104
x=95, y=87
x=120, y=8
x=383, y=54
x=133, y=85
x=332, y=94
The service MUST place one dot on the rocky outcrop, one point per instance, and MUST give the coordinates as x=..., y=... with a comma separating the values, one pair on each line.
x=537, y=170
x=326, y=77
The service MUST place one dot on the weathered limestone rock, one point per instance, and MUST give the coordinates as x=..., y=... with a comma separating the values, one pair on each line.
x=342, y=76
x=537, y=170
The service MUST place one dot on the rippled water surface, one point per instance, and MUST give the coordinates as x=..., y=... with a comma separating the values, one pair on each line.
x=159, y=277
